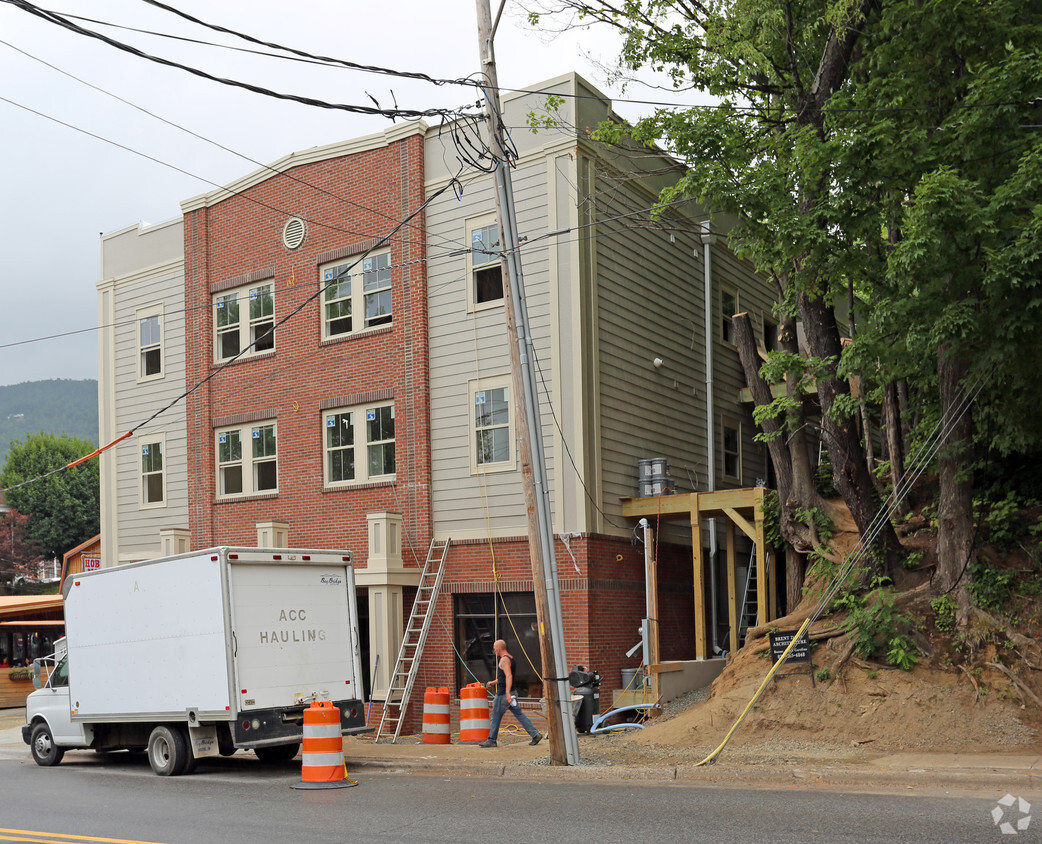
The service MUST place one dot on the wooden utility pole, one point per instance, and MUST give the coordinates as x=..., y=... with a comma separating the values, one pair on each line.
x=563, y=740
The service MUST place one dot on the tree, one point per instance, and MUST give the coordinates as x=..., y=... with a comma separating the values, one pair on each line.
x=64, y=508
x=888, y=147
x=18, y=553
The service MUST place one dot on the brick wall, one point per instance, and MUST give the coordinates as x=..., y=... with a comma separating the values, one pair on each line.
x=347, y=202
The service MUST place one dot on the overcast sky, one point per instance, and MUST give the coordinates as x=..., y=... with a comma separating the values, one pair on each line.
x=62, y=188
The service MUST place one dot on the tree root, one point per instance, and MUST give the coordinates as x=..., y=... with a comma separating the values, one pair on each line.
x=1023, y=689
x=976, y=688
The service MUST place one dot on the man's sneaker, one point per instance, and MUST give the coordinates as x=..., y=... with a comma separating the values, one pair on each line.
x=538, y=737
x=490, y=743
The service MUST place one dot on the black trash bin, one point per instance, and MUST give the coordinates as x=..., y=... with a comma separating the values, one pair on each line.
x=586, y=684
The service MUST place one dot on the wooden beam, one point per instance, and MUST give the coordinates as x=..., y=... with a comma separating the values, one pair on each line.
x=665, y=667
x=651, y=507
x=764, y=590
x=653, y=626
x=737, y=518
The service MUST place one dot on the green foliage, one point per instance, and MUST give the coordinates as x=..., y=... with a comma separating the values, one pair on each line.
x=821, y=520
x=990, y=587
x=1002, y=521
x=902, y=653
x=823, y=477
x=549, y=117
x=912, y=560
x=57, y=406
x=65, y=508
x=944, y=612
x=772, y=520
x=873, y=623
x=823, y=674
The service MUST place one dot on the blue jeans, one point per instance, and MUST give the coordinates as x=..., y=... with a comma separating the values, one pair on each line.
x=499, y=708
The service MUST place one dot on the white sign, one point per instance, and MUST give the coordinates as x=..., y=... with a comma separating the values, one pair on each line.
x=91, y=563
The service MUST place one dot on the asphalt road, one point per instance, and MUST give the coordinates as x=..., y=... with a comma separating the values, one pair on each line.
x=239, y=800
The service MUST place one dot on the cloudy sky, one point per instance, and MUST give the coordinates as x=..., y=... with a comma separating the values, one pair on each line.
x=81, y=162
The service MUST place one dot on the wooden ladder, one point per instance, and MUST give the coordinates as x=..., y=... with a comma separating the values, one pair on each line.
x=408, y=662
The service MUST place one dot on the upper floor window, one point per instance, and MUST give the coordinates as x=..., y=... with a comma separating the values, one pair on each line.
x=244, y=319
x=359, y=444
x=250, y=470
x=492, y=425
x=486, y=268
x=153, y=486
x=150, y=343
x=356, y=295
x=732, y=449
x=728, y=308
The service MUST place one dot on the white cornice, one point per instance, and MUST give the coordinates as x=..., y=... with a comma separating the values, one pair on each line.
x=379, y=140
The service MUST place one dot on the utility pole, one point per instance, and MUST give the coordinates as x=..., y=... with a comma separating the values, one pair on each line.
x=564, y=743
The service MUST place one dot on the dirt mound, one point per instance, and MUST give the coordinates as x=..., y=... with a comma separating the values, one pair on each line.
x=972, y=692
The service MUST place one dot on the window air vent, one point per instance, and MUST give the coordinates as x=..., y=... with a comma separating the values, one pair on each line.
x=294, y=232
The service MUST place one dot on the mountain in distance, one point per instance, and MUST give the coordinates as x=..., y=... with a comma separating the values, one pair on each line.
x=56, y=406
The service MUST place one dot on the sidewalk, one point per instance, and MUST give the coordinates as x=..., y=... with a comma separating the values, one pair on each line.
x=1014, y=773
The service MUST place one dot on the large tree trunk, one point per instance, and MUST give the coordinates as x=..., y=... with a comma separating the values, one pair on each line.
x=798, y=534
x=955, y=506
x=840, y=436
x=894, y=442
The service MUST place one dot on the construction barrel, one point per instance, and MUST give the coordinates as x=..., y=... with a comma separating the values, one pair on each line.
x=474, y=720
x=436, y=722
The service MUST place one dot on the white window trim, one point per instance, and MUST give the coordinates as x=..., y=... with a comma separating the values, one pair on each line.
x=728, y=422
x=245, y=323
x=150, y=440
x=476, y=386
x=358, y=294
x=142, y=314
x=473, y=225
x=360, y=446
x=733, y=291
x=247, y=461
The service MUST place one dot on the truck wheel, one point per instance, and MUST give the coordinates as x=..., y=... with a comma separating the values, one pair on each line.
x=276, y=753
x=45, y=751
x=167, y=752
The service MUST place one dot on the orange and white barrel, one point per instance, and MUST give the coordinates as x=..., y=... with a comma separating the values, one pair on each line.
x=436, y=720
x=474, y=720
x=322, y=753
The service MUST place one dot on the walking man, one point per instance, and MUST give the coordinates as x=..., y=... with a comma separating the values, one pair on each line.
x=505, y=698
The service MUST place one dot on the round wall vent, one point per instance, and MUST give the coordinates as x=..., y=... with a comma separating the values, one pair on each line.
x=294, y=232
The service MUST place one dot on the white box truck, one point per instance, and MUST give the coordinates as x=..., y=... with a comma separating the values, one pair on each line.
x=201, y=654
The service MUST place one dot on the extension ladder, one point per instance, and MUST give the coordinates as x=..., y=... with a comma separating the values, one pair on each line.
x=408, y=662
x=750, y=612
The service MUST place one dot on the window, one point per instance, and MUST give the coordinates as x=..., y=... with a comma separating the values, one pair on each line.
x=245, y=319
x=359, y=444
x=492, y=441
x=486, y=268
x=150, y=343
x=482, y=618
x=732, y=448
x=152, y=479
x=251, y=471
x=728, y=308
x=770, y=335
x=356, y=289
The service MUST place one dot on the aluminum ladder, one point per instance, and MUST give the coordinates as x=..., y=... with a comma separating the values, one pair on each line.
x=405, y=667
x=750, y=608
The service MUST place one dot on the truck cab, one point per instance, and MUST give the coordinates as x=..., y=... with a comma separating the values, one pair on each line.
x=49, y=728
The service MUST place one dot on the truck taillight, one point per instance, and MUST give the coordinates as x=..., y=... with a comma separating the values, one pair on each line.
x=276, y=556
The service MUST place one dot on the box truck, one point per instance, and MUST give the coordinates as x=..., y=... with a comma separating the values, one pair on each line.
x=201, y=654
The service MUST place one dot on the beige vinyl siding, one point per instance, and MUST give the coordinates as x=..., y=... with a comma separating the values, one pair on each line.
x=755, y=297
x=649, y=305
x=132, y=531
x=467, y=346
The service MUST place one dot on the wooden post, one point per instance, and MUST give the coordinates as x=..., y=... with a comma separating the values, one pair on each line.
x=651, y=572
x=765, y=592
x=701, y=651
x=732, y=589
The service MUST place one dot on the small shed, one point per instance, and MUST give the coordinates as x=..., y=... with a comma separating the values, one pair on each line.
x=84, y=557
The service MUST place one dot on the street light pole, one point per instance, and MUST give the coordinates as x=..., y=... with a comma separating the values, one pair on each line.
x=563, y=740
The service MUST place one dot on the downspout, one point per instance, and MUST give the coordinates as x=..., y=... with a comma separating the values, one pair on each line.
x=707, y=266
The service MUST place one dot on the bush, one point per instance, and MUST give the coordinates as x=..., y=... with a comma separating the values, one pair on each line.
x=944, y=612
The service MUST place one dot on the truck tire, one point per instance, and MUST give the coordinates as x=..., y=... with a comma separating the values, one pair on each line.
x=167, y=751
x=45, y=751
x=277, y=753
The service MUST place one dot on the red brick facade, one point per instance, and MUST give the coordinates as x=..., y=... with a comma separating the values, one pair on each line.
x=348, y=202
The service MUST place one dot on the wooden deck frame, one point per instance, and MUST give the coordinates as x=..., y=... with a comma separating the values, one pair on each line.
x=742, y=508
